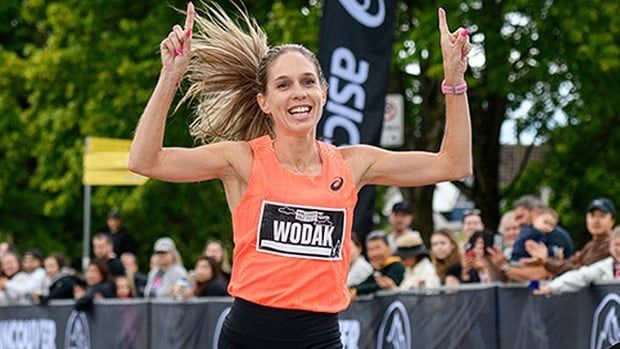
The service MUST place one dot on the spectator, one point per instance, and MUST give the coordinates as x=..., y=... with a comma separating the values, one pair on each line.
x=11, y=267
x=207, y=280
x=388, y=269
x=603, y=270
x=124, y=288
x=419, y=270
x=168, y=270
x=360, y=269
x=103, y=249
x=472, y=222
x=446, y=257
x=59, y=282
x=121, y=240
x=137, y=280
x=400, y=223
x=97, y=285
x=600, y=220
x=477, y=264
x=216, y=250
x=542, y=225
x=21, y=285
x=526, y=208
x=509, y=229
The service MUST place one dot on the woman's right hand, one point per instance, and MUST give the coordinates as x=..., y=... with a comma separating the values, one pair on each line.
x=175, y=49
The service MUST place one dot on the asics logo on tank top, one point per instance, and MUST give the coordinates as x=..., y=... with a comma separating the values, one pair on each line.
x=301, y=231
x=364, y=12
x=336, y=184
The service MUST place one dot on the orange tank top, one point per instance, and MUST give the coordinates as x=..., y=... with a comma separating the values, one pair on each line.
x=292, y=233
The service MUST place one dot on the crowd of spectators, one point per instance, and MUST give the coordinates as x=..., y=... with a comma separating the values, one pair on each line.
x=113, y=272
x=529, y=244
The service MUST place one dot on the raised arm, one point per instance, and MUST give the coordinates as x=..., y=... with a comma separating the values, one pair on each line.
x=371, y=165
x=148, y=157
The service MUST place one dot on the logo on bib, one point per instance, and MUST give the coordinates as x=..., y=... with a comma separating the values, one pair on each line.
x=301, y=231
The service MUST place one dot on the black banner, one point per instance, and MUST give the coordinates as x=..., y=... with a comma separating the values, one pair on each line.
x=355, y=47
x=489, y=317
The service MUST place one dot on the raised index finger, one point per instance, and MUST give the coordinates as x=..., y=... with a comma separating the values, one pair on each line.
x=443, y=24
x=189, y=19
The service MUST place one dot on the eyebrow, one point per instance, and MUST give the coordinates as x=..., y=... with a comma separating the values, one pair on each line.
x=285, y=77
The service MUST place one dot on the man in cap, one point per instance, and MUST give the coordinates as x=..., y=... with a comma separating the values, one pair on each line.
x=400, y=223
x=169, y=275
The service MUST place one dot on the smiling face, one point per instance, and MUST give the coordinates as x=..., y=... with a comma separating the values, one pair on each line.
x=294, y=96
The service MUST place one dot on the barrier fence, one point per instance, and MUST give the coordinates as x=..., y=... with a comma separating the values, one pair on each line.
x=491, y=317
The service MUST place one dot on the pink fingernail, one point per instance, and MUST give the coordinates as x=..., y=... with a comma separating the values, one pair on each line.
x=179, y=52
x=464, y=32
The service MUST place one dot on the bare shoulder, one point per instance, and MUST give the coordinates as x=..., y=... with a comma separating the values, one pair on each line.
x=358, y=159
x=238, y=154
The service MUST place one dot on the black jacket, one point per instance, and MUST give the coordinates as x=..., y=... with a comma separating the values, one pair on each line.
x=392, y=268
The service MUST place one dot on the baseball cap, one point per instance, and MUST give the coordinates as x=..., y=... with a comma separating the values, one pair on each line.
x=35, y=253
x=164, y=244
x=402, y=207
x=603, y=204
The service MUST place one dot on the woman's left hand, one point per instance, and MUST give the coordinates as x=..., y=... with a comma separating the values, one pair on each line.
x=454, y=48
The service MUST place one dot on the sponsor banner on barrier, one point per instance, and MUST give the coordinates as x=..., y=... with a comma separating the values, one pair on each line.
x=494, y=317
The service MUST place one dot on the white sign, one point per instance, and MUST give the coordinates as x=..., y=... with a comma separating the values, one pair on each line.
x=393, y=132
x=30, y=333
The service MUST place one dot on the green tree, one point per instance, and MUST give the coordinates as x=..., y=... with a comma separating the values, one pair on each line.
x=520, y=54
x=582, y=163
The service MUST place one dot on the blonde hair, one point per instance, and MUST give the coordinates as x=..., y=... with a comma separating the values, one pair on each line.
x=228, y=68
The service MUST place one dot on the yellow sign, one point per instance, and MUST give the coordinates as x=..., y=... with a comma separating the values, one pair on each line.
x=99, y=144
x=114, y=177
x=105, y=163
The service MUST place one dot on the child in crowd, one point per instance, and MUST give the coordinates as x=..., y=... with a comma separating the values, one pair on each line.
x=544, y=223
x=124, y=289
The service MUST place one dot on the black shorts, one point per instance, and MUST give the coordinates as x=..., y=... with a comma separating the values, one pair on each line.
x=249, y=325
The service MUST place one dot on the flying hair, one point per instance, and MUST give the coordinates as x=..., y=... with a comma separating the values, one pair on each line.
x=228, y=68
x=222, y=73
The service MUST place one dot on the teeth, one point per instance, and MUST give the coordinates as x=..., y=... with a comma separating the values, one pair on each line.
x=299, y=110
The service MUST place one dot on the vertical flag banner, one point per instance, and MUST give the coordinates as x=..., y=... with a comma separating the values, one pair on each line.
x=355, y=47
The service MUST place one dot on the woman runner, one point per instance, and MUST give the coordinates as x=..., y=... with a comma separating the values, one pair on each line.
x=291, y=197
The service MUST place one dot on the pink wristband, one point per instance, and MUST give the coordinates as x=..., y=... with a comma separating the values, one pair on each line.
x=453, y=90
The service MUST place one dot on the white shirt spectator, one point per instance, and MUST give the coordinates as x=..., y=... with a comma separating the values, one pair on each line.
x=422, y=274
x=359, y=271
x=21, y=286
